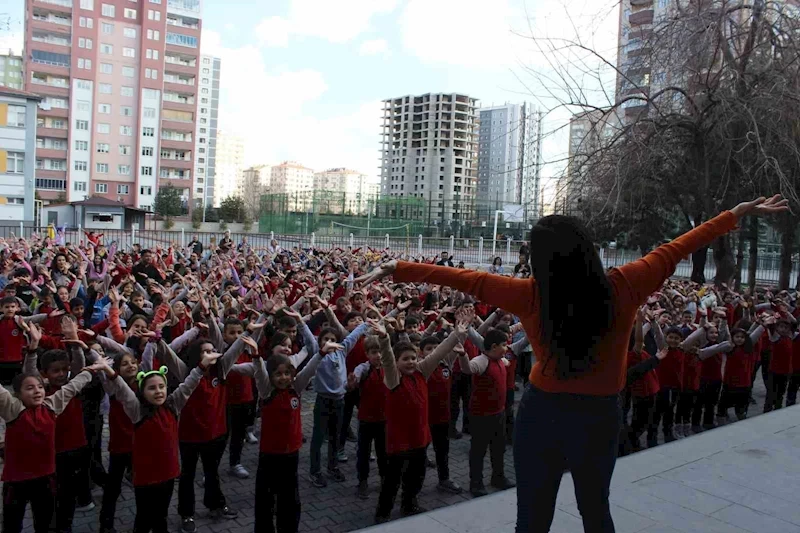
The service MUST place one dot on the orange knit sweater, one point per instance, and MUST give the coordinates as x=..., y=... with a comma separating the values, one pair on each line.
x=632, y=284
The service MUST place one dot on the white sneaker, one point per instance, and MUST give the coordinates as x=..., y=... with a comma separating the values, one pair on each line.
x=239, y=471
x=249, y=437
x=85, y=508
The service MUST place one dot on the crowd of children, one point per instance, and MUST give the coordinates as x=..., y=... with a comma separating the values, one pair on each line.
x=184, y=349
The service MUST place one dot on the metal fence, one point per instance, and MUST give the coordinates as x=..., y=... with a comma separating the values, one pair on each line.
x=475, y=253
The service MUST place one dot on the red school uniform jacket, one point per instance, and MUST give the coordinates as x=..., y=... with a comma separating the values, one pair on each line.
x=356, y=356
x=670, y=369
x=155, y=448
x=489, y=390
x=692, y=367
x=281, y=410
x=372, y=406
x=33, y=429
x=648, y=385
x=70, y=434
x=11, y=341
x=407, y=415
x=240, y=387
x=120, y=429
x=738, y=369
x=439, y=385
x=204, y=417
x=711, y=369
x=781, y=361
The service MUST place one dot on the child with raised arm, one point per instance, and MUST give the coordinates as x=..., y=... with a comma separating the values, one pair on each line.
x=154, y=414
x=279, y=388
x=407, y=431
x=30, y=419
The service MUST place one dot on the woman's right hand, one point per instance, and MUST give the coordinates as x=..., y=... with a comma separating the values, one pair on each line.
x=386, y=269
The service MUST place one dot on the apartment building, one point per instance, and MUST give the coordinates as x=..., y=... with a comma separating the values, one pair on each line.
x=509, y=158
x=229, y=166
x=430, y=151
x=292, y=179
x=255, y=182
x=207, y=116
x=17, y=155
x=11, y=70
x=352, y=190
x=119, y=86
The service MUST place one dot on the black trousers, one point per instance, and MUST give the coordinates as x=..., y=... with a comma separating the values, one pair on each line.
x=71, y=480
x=118, y=464
x=524, y=366
x=644, y=410
x=460, y=391
x=152, y=506
x=509, y=419
x=407, y=469
x=210, y=453
x=240, y=417
x=93, y=427
x=40, y=493
x=706, y=403
x=738, y=398
x=327, y=421
x=794, y=386
x=487, y=432
x=441, y=448
x=277, y=494
x=665, y=409
x=776, y=390
x=683, y=411
x=351, y=399
x=558, y=431
x=369, y=432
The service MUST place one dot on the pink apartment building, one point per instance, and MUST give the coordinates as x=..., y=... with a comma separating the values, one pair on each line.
x=119, y=81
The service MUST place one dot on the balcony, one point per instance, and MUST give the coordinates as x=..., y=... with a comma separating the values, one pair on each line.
x=57, y=133
x=51, y=153
x=46, y=20
x=51, y=38
x=641, y=17
x=52, y=175
x=181, y=174
x=58, y=112
x=173, y=144
x=180, y=126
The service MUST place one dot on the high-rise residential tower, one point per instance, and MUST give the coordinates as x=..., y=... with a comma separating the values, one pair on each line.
x=229, y=166
x=119, y=81
x=11, y=70
x=207, y=117
x=429, y=151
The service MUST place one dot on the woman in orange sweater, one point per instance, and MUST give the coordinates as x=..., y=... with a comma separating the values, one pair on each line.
x=578, y=319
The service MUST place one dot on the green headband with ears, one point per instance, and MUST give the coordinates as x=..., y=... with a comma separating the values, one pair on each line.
x=141, y=376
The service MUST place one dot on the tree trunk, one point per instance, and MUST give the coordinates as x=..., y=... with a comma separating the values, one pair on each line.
x=737, y=276
x=752, y=262
x=787, y=248
x=723, y=259
x=699, y=265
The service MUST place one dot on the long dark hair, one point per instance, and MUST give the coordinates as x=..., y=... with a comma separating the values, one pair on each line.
x=576, y=303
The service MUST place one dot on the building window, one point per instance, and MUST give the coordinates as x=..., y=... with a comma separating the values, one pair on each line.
x=130, y=33
x=104, y=109
x=106, y=68
x=147, y=150
x=82, y=125
x=129, y=13
x=101, y=168
x=148, y=132
x=107, y=28
x=122, y=189
x=126, y=91
x=181, y=39
x=108, y=10
x=152, y=54
x=106, y=49
x=149, y=112
x=105, y=88
x=84, y=85
x=147, y=171
x=15, y=163
x=124, y=149
x=155, y=35
x=128, y=52
x=102, y=148
x=16, y=116
x=101, y=188
x=128, y=72
x=146, y=190
x=124, y=170
x=152, y=14
x=85, y=63
x=82, y=146
x=103, y=128
x=79, y=186
x=81, y=165
x=86, y=22
x=126, y=111
x=87, y=4
x=126, y=130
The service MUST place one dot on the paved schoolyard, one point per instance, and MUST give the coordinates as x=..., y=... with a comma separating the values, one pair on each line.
x=333, y=509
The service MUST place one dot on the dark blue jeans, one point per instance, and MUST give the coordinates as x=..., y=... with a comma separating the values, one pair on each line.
x=327, y=421
x=554, y=432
